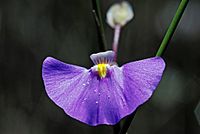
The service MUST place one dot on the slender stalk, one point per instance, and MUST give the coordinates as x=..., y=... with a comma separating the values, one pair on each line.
x=96, y=18
x=99, y=22
x=116, y=40
x=172, y=27
x=160, y=51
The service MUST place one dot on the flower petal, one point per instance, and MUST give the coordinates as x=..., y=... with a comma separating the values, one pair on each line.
x=126, y=88
x=141, y=78
x=72, y=88
x=92, y=100
x=119, y=14
x=59, y=79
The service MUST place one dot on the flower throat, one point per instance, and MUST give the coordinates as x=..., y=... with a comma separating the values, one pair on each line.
x=102, y=70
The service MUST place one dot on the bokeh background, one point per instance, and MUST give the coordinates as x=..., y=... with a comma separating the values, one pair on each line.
x=31, y=30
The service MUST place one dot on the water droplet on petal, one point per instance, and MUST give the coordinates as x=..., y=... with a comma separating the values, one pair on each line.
x=84, y=100
x=83, y=84
x=123, y=102
x=97, y=102
x=95, y=90
x=88, y=82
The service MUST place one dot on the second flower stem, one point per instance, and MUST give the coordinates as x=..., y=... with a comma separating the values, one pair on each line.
x=172, y=27
x=100, y=25
x=162, y=48
x=116, y=40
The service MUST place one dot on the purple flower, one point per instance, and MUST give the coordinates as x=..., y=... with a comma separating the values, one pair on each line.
x=105, y=93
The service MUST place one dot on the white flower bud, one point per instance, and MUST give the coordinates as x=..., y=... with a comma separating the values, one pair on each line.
x=119, y=14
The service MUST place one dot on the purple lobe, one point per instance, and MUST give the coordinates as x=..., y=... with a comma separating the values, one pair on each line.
x=141, y=78
x=89, y=99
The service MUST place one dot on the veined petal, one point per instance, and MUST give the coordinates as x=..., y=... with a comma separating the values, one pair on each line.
x=88, y=98
x=141, y=78
x=107, y=57
x=127, y=87
x=59, y=79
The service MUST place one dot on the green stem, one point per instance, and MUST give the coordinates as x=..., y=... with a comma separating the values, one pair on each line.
x=101, y=25
x=163, y=46
x=172, y=27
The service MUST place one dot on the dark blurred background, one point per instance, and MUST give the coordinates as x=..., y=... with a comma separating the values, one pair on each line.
x=31, y=30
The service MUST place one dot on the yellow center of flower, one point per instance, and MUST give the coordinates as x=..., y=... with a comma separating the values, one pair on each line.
x=102, y=70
